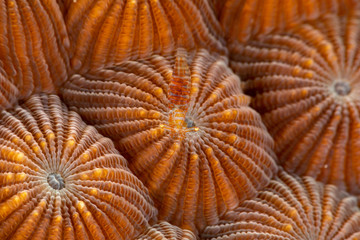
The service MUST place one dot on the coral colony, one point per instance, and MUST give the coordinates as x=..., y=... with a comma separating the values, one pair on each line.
x=179, y=119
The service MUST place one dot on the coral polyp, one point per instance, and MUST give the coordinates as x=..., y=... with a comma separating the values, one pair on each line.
x=305, y=83
x=194, y=177
x=61, y=179
x=292, y=208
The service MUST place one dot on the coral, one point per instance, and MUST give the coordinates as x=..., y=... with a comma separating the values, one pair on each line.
x=164, y=230
x=195, y=176
x=33, y=47
x=110, y=31
x=305, y=83
x=243, y=20
x=292, y=208
x=61, y=179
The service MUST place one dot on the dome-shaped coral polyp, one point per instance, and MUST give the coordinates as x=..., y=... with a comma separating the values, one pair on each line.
x=108, y=32
x=61, y=179
x=306, y=85
x=292, y=208
x=198, y=159
x=33, y=47
x=166, y=231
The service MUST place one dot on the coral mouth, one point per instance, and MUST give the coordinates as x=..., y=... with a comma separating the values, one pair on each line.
x=342, y=88
x=56, y=181
x=189, y=123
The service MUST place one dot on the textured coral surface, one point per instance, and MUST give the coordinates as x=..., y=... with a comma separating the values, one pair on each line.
x=166, y=231
x=194, y=176
x=160, y=78
x=33, y=48
x=61, y=179
x=110, y=31
x=306, y=86
x=292, y=208
x=248, y=19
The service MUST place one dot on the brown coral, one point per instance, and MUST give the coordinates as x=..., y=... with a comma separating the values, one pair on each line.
x=107, y=32
x=292, y=208
x=166, y=231
x=60, y=179
x=197, y=175
x=33, y=46
x=306, y=86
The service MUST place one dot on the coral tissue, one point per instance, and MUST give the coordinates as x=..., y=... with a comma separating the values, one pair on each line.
x=61, y=179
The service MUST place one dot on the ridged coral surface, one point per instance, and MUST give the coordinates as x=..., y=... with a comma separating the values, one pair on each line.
x=109, y=31
x=219, y=157
x=292, y=208
x=33, y=47
x=61, y=179
x=248, y=19
x=305, y=83
x=166, y=231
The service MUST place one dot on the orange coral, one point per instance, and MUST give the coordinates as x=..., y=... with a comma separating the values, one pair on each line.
x=248, y=19
x=292, y=208
x=107, y=32
x=33, y=46
x=306, y=86
x=194, y=177
x=60, y=179
x=164, y=230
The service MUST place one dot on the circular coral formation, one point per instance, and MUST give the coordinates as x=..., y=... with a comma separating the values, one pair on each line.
x=33, y=47
x=219, y=157
x=107, y=32
x=305, y=83
x=292, y=208
x=164, y=231
x=61, y=179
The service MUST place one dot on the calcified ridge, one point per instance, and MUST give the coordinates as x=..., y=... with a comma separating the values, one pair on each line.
x=194, y=177
x=60, y=179
x=292, y=208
